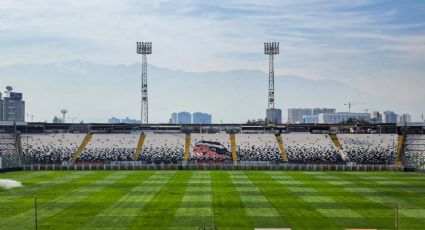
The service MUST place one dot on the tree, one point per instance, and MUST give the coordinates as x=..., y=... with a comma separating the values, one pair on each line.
x=57, y=120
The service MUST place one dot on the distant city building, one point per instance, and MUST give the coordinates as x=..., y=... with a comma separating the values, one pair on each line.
x=310, y=119
x=181, y=118
x=114, y=120
x=174, y=119
x=274, y=116
x=296, y=115
x=405, y=118
x=375, y=117
x=389, y=117
x=201, y=118
x=126, y=120
x=335, y=118
x=316, y=111
x=12, y=107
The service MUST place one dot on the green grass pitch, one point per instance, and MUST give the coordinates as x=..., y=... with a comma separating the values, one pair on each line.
x=224, y=199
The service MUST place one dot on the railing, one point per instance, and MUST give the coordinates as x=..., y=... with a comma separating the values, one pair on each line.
x=216, y=166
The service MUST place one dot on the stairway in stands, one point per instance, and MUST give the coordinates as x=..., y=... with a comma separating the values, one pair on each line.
x=186, y=147
x=83, y=145
x=338, y=145
x=233, y=148
x=139, y=147
x=400, y=149
x=281, y=147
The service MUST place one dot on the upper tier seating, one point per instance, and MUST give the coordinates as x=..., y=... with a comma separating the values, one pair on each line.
x=257, y=147
x=110, y=147
x=415, y=148
x=369, y=148
x=163, y=148
x=50, y=148
x=310, y=148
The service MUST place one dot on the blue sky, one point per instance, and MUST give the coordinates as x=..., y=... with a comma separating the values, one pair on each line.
x=377, y=46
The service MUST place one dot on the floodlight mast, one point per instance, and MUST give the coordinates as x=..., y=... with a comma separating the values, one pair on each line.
x=144, y=48
x=271, y=48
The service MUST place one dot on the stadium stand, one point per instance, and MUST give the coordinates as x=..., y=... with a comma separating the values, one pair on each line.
x=369, y=148
x=162, y=148
x=8, y=151
x=310, y=148
x=415, y=149
x=50, y=148
x=110, y=147
x=257, y=147
x=210, y=147
x=170, y=148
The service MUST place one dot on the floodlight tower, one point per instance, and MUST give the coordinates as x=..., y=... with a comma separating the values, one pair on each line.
x=144, y=48
x=271, y=48
x=64, y=112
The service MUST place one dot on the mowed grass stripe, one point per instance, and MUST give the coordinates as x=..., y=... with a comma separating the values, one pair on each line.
x=160, y=211
x=86, y=209
x=48, y=207
x=377, y=212
x=411, y=214
x=297, y=211
x=408, y=186
x=229, y=210
x=23, y=197
x=34, y=185
x=257, y=207
x=21, y=175
x=334, y=202
x=121, y=213
x=195, y=209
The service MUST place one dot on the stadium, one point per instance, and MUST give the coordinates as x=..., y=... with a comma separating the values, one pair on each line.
x=324, y=170
x=102, y=176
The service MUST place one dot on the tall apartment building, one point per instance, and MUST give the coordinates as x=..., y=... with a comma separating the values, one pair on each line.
x=12, y=107
x=201, y=118
x=302, y=115
x=295, y=115
x=336, y=118
x=389, y=117
x=316, y=111
x=181, y=118
x=274, y=116
x=405, y=118
x=375, y=117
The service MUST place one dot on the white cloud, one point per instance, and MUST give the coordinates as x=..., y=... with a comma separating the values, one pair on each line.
x=346, y=40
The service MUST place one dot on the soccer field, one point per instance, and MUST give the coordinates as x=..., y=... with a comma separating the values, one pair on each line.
x=223, y=199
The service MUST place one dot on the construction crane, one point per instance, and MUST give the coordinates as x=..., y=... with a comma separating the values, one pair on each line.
x=351, y=104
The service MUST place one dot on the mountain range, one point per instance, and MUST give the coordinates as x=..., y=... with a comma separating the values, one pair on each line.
x=95, y=92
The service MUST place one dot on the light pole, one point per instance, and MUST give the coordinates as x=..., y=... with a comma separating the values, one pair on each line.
x=144, y=48
x=271, y=49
